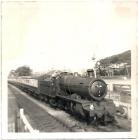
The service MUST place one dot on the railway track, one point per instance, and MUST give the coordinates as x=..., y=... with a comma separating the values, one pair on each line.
x=62, y=121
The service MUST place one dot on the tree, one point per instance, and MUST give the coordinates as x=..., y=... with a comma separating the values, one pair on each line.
x=12, y=74
x=114, y=60
x=23, y=71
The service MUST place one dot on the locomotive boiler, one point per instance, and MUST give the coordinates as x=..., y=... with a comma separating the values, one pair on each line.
x=89, y=88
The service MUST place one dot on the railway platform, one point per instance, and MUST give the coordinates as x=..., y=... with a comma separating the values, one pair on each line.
x=13, y=108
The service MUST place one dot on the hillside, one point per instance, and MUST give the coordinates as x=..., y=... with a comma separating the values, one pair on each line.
x=124, y=57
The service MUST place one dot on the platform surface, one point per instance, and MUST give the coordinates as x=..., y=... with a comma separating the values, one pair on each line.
x=12, y=111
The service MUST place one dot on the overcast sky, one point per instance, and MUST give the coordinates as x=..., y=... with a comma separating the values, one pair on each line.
x=66, y=35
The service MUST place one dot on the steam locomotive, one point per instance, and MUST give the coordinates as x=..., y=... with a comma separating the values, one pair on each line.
x=81, y=96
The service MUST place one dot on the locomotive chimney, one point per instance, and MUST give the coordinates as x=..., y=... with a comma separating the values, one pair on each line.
x=90, y=73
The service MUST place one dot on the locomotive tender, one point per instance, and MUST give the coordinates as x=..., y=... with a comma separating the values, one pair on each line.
x=82, y=96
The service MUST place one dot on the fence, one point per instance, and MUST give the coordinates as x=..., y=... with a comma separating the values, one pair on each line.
x=121, y=94
x=124, y=88
x=22, y=124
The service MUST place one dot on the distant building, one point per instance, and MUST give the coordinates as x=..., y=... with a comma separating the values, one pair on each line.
x=119, y=69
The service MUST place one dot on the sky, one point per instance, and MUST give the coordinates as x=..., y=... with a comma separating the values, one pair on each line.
x=65, y=34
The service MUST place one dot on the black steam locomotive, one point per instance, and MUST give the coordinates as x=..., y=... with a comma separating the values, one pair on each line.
x=82, y=96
